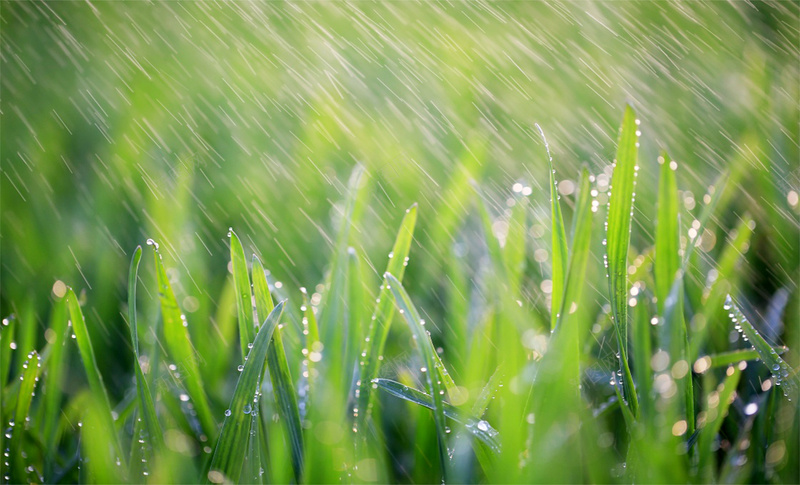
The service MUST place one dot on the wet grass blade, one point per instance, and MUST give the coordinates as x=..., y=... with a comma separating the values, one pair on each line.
x=724, y=359
x=381, y=320
x=476, y=426
x=244, y=301
x=90, y=365
x=233, y=439
x=784, y=375
x=280, y=376
x=180, y=348
x=581, y=244
x=669, y=283
x=559, y=242
x=618, y=236
x=411, y=316
x=30, y=373
x=667, y=257
x=147, y=409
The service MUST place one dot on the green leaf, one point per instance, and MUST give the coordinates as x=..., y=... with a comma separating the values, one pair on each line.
x=244, y=301
x=233, y=439
x=179, y=346
x=381, y=320
x=784, y=375
x=90, y=365
x=30, y=373
x=146, y=408
x=669, y=283
x=667, y=257
x=618, y=236
x=479, y=428
x=559, y=241
x=279, y=374
x=429, y=356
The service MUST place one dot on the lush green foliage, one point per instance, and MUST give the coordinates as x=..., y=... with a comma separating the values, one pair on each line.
x=492, y=344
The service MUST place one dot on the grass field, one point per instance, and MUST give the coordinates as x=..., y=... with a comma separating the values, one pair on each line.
x=328, y=242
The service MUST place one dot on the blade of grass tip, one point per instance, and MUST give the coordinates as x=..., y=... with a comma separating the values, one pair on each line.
x=279, y=374
x=618, y=235
x=479, y=428
x=90, y=366
x=147, y=409
x=382, y=315
x=226, y=464
x=30, y=373
x=180, y=348
x=244, y=300
x=559, y=240
x=783, y=375
x=717, y=406
x=411, y=316
x=54, y=376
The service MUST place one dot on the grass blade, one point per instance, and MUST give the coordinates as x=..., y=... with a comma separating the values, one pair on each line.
x=90, y=366
x=784, y=375
x=618, y=236
x=667, y=257
x=476, y=426
x=30, y=373
x=279, y=374
x=232, y=444
x=409, y=312
x=669, y=283
x=381, y=320
x=581, y=243
x=146, y=408
x=559, y=242
x=724, y=359
x=244, y=301
x=179, y=346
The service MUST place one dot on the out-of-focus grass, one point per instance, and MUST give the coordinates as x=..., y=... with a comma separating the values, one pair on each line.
x=173, y=121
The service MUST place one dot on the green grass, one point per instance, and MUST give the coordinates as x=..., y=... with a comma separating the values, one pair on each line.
x=676, y=411
x=445, y=312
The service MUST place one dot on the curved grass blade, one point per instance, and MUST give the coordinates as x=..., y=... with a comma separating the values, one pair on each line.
x=409, y=312
x=618, y=236
x=179, y=346
x=6, y=337
x=476, y=426
x=233, y=439
x=559, y=241
x=784, y=375
x=244, y=300
x=381, y=319
x=90, y=366
x=30, y=373
x=279, y=374
x=146, y=407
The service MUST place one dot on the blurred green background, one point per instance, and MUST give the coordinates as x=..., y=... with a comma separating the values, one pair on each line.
x=123, y=121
